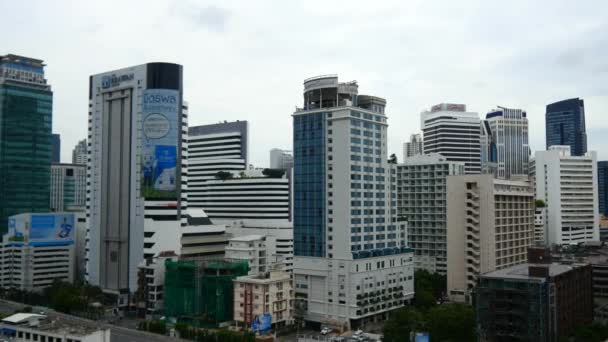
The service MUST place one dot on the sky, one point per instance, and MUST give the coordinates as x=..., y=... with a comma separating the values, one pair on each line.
x=246, y=60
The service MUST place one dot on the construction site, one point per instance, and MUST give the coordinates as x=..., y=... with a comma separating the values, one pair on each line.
x=200, y=293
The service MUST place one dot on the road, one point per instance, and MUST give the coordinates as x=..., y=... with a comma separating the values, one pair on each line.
x=118, y=334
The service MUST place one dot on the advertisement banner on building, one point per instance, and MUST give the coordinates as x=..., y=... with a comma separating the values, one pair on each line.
x=160, y=130
x=42, y=229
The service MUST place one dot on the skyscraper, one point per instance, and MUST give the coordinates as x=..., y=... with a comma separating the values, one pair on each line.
x=454, y=133
x=422, y=192
x=602, y=186
x=26, y=104
x=79, y=153
x=56, y=148
x=348, y=244
x=505, y=143
x=568, y=186
x=136, y=118
x=565, y=125
x=413, y=147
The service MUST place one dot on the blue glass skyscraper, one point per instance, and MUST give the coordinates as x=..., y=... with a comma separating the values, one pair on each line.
x=565, y=125
x=602, y=186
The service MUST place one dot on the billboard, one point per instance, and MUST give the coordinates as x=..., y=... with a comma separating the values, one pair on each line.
x=41, y=229
x=262, y=323
x=160, y=121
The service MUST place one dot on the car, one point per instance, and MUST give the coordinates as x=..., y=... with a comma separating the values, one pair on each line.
x=325, y=331
x=358, y=332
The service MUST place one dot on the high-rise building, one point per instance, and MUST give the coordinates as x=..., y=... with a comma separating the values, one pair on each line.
x=215, y=148
x=421, y=201
x=413, y=147
x=26, y=104
x=79, y=153
x=68, y=187
x=246, y=195
x=281, y=159
x=505, y=143
x=602, y=186
x=38, y=250
x=137, y=123
x=448, y=129
x=568, y=186
x=490, y=227
x=565, y=125
x=56, y=148
x=348, y=244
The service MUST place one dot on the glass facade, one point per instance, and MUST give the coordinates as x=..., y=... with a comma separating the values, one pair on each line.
x=602, y=186
x=25, y=150
x=309, y=184
x=565, y=125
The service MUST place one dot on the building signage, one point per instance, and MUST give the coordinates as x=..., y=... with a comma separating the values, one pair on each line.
x=111, y=81
x=41, y=229
x=160, y=144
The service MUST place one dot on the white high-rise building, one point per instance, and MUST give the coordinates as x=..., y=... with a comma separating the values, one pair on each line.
x=505, y=149
x=68, y=187
x=490, y=224
x=568, y=186
x=448, y=129
x=413, y=147
x=79, y=153
x=137, y=124
x=421, y=201
x=214, y=148
x=281, y=159
x=351, y=262
x=248, y=195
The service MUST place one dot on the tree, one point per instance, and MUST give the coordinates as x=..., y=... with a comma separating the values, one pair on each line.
x=451, y=322
x=392, y=159
x=273, y=173
x=401, y=323
x=223, y=175
x=539, y=203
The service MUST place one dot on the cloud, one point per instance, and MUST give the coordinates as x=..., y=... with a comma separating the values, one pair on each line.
x=212, y=18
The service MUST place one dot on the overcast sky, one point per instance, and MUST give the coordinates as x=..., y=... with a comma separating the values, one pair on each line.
x=246, y=60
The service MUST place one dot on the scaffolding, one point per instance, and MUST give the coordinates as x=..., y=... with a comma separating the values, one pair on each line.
x=201, y=293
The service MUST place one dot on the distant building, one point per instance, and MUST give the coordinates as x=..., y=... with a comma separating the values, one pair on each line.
x=214, y=148
x=26, y=114
x=68, y=187
x=568, y=186
x=490, y=226
x=79, y=153
x=505, y=148
x=37, y=250
x=565, y=125
x=540, y=226
x=35, y=327
x=413, y=147
x=602, y=187
x=265, y=293
x=537, y=301
x=448, y=129
x=56, y=148
x=421, y=201
x=281, y=159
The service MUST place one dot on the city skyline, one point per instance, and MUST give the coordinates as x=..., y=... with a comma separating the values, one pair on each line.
x=486, y=66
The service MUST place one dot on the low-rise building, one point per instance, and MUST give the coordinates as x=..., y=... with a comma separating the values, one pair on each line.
x=151, y=281
x=37, y=250
x=250, y=248
x=537, y=301
x=256, y=295
x=22, y=327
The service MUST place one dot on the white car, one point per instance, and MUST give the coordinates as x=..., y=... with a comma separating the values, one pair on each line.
x=325, y=331
x=358, y=332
